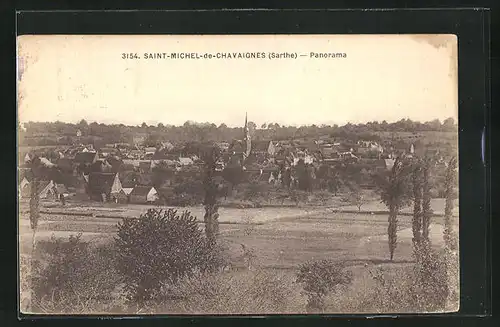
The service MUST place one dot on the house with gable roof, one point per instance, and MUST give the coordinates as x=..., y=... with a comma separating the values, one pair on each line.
x=103, y=187
x=143, y=195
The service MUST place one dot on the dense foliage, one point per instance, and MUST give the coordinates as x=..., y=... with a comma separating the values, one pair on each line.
x=73, y=273
x=395, y=194
x=160, y=247
x=59, y=133
x=319, y=278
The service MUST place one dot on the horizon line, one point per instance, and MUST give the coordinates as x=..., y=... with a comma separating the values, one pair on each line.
x=193, y=122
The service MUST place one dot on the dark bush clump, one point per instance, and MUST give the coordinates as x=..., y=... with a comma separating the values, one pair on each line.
x=423, y=288
x=159, y=248
x=318, y=279
x=431, y=281
x=73, y=276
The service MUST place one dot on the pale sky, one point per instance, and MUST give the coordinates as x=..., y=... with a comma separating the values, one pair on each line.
x=69, y=78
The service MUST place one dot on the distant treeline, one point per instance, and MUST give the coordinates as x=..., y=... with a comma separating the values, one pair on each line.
x=60, y=133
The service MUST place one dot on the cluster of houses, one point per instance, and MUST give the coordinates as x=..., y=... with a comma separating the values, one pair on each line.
x=104, y=174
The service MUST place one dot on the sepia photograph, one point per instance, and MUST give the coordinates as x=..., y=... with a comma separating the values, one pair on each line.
x=237, y=174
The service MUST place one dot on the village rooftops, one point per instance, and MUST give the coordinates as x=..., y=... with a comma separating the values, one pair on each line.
x=186, y=161
x=108, y=150
x=103, y=183
x=86, y=157
x=260, y=146
x=65, y=163
x=129, y=183
x=165, y=156
x=141, y=190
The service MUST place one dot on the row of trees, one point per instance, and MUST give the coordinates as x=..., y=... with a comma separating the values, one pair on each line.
x=58, y=132
x=409, y=182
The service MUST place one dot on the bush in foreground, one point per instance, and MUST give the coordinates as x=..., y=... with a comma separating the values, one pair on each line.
x=416, y=288
x=161, y=247
x=318, y=279
x=246, y=292
x=73, y=276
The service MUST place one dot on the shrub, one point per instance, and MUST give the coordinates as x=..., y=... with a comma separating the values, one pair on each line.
x=319, y=278
x=74, y=277
x=249, y=292
x=431, y=282
x=161, y=247
x=422, y=287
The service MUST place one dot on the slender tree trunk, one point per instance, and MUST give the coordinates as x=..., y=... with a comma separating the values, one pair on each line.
x=392, y=230
x=417, y=209
x=211, y=217
x=451, y=245
x=34, y=216
x=395, y=196
x=426, y=203
x=448, y=210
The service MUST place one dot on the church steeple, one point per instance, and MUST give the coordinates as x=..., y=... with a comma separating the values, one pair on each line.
x=247, y=138
x=246, y=125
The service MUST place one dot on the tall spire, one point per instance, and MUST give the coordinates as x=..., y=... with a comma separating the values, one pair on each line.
x=248, y=142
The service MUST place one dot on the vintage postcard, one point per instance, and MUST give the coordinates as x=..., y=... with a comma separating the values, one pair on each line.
x=224, y=174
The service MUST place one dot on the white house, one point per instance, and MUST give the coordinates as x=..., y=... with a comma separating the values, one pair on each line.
x=49, y=190
x=150, y=151
x=127, y=190
x=389, y=163
x=46, y=162
x=186, y=161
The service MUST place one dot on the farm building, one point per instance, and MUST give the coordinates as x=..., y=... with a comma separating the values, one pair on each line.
x=185, y=161
x=28, y=157
x=108, y=151
x=122, y=196
x=264, y=147
x=150, y=150
x=379, y=164
x=104, y=186
x=129, y=182
x=143, y=195
x=46, y=189
x=389, y=163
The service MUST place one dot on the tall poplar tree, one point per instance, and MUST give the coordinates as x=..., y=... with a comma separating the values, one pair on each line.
x=211, y=217
x=417, y=206
x=395, y=195
x=450, y=182
x=426, y=201
x=451, y=244
x=34, y=217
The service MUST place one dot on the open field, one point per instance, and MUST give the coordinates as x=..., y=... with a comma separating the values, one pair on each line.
x=280, y=237
x=227, y=215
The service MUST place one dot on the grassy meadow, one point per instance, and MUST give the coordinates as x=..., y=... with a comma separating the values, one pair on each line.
x=280, y=239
